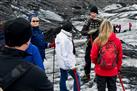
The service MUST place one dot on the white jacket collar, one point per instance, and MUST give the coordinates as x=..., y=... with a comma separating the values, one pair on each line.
x=66, y=33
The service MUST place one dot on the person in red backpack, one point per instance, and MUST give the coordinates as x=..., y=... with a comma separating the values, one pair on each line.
x=106, y=77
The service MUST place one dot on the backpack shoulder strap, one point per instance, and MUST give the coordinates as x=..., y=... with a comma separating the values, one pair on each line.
x=15, y=74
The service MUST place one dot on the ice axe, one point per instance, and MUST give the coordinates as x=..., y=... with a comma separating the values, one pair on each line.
x=119, y=76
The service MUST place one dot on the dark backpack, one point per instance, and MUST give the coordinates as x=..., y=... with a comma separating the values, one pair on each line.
x=14, y=75
x=108, y=56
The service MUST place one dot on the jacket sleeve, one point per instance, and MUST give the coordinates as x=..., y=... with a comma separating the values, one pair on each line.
x=120, y=55
x=85, y=28
x=94, y=53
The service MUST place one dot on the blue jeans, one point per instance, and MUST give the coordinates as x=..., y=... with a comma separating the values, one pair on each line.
x=64, y=77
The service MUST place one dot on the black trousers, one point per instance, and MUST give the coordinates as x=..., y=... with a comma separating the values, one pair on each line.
x=87, y=67
x=103, y=82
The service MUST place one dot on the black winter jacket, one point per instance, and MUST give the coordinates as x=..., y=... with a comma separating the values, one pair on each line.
x=34, y=79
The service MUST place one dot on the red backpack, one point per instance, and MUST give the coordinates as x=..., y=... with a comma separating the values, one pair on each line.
x=108, y=56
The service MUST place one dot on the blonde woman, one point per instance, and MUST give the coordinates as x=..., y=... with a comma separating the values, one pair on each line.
x=106, y=54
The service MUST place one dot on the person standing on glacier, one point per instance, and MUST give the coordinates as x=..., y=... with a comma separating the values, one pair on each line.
x=65, y=53
x=91, y=30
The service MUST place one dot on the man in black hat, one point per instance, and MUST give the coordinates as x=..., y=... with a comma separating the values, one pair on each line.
x=16, y=74
x=91, y=30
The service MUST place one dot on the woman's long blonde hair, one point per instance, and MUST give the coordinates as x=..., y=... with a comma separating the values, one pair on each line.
x=105, y=30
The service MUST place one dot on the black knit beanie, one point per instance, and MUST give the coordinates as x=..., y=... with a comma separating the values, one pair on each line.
x=94, y=9
x=17, y=32
x=67, y=26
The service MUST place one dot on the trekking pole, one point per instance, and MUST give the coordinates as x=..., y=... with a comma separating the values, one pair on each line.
x=119, y=76
x=77, y=79
x=53, y=65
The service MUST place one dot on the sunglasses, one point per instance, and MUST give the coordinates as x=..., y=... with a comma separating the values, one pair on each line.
x=35, y=21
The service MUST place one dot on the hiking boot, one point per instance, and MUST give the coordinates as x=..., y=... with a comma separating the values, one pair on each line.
x=85, y=78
